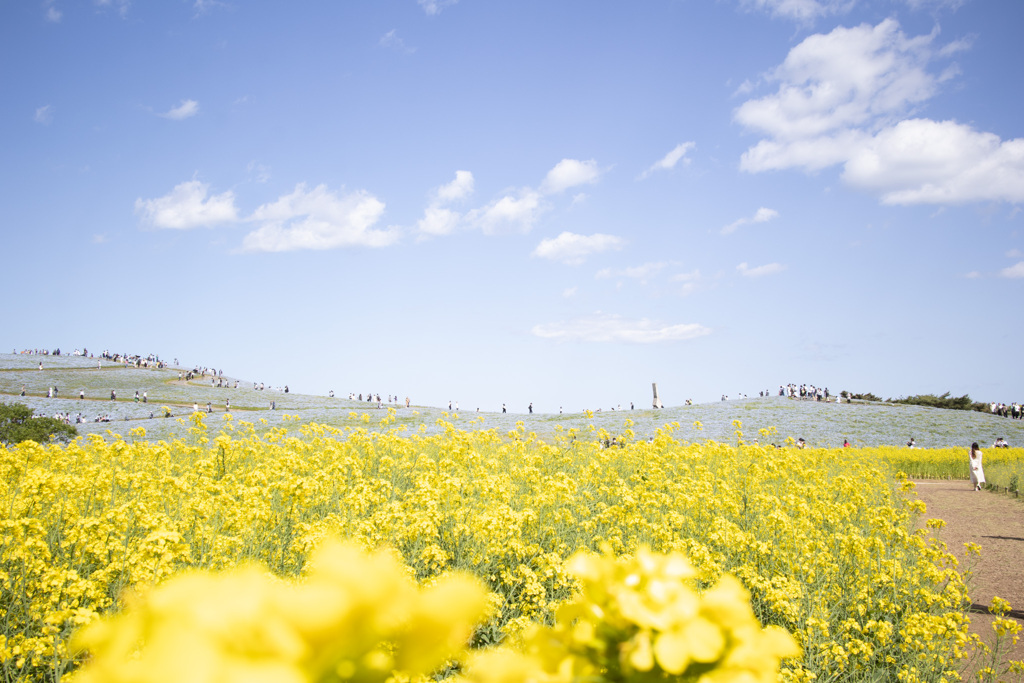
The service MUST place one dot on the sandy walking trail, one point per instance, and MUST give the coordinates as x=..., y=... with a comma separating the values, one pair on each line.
x=995, y=522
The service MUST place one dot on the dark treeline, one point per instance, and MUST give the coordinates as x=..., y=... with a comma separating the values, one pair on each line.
x=948, y=402
x=944, y=401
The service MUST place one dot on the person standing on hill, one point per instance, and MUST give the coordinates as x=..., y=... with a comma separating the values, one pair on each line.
x=977, y=471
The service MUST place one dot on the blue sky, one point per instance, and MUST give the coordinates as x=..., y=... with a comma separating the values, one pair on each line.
x=514, y=202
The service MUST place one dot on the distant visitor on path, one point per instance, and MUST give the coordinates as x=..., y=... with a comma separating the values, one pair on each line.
x=531, y=408
x=977, y=472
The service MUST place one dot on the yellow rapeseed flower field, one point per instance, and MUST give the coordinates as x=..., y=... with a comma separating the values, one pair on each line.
x=820, y=544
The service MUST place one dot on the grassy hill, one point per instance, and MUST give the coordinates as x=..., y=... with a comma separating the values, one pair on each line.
x=824, y=424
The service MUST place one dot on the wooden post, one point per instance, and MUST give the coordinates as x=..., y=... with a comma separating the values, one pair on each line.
x=657, y=401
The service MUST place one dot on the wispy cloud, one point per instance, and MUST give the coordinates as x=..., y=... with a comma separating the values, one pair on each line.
x=603, y=327
x=44, y=115
x=760, y=271
x=692, y=276
x=433, y=7
x=762, y=215
x=643, y=272
x=186, y=109
x=203, y=6
x=120, y=5
x=800, y=10
x=691, y=281
x=258, y=172
x=573, y=249
x=53, y=14
x=393, y=41
x=669, y=161
x=188, y=206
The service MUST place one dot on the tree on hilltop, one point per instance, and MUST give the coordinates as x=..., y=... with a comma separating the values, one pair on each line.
x=17, y=424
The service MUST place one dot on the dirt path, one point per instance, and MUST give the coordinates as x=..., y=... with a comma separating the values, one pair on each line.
x=996, y=523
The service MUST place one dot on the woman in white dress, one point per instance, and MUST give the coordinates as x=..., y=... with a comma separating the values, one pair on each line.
x=977, y=472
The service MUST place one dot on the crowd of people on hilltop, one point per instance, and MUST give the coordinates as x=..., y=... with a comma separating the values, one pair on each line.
x=1014, y=411
x=129, y=360
x=375, y=398
x=807, y=391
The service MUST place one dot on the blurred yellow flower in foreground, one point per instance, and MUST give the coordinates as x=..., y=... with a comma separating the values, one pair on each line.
x=353, y=616
x=642, y=616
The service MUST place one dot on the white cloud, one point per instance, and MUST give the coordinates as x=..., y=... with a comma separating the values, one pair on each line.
x=435, y=6
x=318, y=219
x=518, y=213
x=186, y=109
x=53, y=14
x=762, y=215
x=570, y=173
x=849, y=77
x=602, y=327
x=459, y=188
x=670, y=160
x=760, y=271
x=1013, y=271
x=438, y=221
x=1014, y=253
x=569, y=292
x=573, y=249
x=392, y=40
x=187, y=206
x=920, y=161
x=844, y=99
x=44, y=114
x=642, y=272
